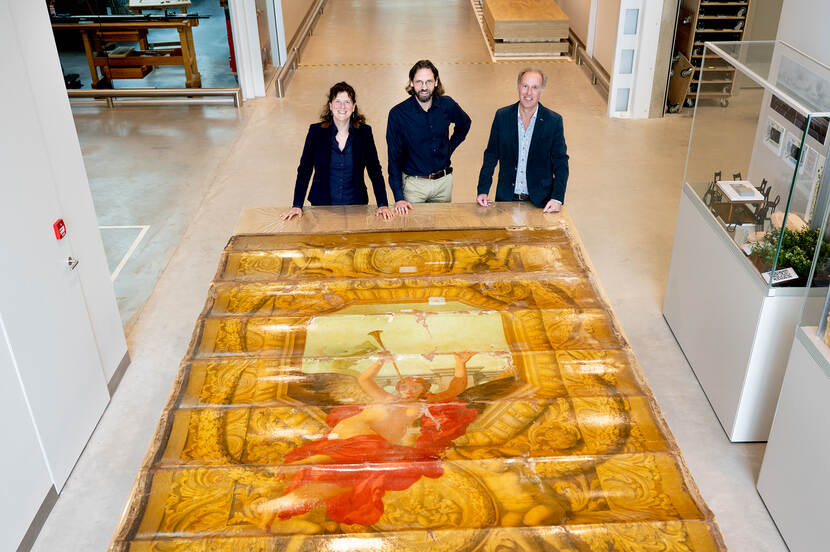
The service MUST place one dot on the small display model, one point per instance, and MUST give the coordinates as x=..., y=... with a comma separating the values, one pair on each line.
x=744, y=190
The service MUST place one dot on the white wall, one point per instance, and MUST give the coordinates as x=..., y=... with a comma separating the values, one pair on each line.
x=26, y=481
x=63, y=151
x=61, y=337
x=762, y=23
x=804, y=25
x=579, y=13
x=293, y=14
x=605, y=38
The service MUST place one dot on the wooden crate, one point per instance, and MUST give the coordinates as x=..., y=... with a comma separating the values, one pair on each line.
x=501, y=48
x=530, y=48
x=538, y=20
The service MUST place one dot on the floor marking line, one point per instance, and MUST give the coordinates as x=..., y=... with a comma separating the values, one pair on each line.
x=131, y=250
x=119, y=227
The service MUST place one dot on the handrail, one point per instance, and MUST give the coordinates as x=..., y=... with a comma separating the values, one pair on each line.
x=182, y=96
x=598, y=75
x=290, y=64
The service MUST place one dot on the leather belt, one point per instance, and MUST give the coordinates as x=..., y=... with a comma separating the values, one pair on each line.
x=438, y=174
x=521, y=197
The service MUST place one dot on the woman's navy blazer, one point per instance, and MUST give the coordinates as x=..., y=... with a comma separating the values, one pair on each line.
x=316, y=157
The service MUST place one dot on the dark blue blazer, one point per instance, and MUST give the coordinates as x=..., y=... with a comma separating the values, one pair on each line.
x=316, y=157
x=547, y=159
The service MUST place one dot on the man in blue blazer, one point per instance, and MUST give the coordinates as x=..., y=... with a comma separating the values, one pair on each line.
x=527, y=141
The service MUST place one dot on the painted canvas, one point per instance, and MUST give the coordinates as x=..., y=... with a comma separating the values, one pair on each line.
x=451, y=390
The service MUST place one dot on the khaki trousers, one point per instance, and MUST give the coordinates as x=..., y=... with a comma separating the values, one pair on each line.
x=423, y=190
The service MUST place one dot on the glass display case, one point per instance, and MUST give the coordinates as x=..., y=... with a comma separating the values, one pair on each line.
x=750, y=225
x=815, y=323
x=793, y=480
x=757, y=157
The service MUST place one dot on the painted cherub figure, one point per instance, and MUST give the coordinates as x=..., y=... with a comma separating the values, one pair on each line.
x=370, y=449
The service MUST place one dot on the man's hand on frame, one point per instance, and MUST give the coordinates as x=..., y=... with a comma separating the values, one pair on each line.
x=402, y=207
x=553, y=206
x=483, y=200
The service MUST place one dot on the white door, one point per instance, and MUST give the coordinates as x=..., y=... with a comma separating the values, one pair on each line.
x=46, y=320
x=27, y=479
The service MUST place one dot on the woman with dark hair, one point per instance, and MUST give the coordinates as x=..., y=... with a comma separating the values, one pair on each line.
x=338, y=150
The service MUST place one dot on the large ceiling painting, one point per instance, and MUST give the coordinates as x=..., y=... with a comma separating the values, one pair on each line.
x=457, y=390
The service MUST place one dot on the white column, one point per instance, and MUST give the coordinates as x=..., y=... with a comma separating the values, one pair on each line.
x=632, y=78
x=592, y=28
x=246, y=48
x=276, y=27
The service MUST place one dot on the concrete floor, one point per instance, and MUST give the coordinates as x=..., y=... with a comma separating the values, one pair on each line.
x=623, y=196
x=150, y=168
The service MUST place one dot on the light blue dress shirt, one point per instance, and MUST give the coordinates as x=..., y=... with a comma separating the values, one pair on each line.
x=524, y=146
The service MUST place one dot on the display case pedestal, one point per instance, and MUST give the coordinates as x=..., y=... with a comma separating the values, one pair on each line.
x=735, y=331
x=794, y=480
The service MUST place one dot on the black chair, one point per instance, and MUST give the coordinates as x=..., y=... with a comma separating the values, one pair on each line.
x=717, y=195
x=713, y=193
x=765, y=210
x=774, y=204
x=762, y=187
x=736, y=176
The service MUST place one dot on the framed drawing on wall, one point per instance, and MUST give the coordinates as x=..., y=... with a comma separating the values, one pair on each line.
x=808, y=169
x=810, y=172
x=774, y=135
x=792, y=149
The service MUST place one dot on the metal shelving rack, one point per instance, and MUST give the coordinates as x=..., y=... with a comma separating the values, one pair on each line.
x=716, y=21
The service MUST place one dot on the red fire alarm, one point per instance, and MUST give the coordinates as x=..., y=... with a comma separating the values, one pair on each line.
x=60, y=229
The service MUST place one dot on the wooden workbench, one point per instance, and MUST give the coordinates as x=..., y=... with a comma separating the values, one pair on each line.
x=135, y=66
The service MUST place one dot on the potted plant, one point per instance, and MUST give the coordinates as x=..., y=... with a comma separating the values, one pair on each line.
x=797, y=248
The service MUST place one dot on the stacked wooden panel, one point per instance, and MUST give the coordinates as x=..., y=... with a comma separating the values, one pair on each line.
x=526, y=27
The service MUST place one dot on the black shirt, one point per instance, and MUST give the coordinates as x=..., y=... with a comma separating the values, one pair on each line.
x=342, y=166
x=418, y=141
